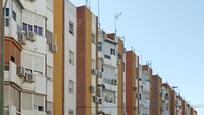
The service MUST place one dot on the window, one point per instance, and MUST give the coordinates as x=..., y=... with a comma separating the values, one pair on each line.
x=35, y=29
x=40, y=31
x=99, y=46
x=30, y=28
x=14, y=15
x=6, y=12
x=7, y=22
x=25, y=27
x=123, y=67
x=107, y=57
x=12, y=59
x=71, y=57
x=71, y=86
x=71, y=112
x=112, y=51
x=93, y=38
x=71, y=28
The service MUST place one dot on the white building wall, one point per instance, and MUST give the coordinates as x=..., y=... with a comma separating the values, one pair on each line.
x=69, y=68
x=124, y=84
x=33, y=56
x=144, y=92
x=109, y=92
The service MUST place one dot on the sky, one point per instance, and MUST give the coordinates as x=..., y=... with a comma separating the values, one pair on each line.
x=167, y=33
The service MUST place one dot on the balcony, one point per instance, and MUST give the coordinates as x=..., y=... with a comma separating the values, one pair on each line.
x=10, y=73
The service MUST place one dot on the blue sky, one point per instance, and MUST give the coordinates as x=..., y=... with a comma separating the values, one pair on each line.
x=170, y=33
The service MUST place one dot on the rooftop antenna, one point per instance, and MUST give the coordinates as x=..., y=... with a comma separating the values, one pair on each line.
x=99, y=24
x=116, y=17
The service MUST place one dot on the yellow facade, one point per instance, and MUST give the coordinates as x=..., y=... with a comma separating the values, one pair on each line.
x=58, y=58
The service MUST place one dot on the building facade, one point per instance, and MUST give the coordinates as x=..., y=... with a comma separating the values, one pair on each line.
x=132, y=75
x=1, y=59
x=124, y=106
x=145, y=74
x=70, y=55
x=179, y=107
x=87, y=30
x=155, y=95
x=165, y=99
x=28, y=87
x=172, y=102
x=110, y=66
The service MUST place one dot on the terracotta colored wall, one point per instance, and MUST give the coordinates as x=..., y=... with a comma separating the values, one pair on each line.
x=130, y=83
x=172, y=102
x=120, y=77
x=84, y=99
x=58, y=84
x=183, y=107
x=12, y=48
x=155, y=100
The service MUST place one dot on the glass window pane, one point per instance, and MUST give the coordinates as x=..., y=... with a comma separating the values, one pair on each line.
x=40, y=31
x=35, y=29
x=25, y=27
x=30, y=28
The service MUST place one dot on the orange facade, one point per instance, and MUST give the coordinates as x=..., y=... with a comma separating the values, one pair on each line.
x=84, y=31
x=58, y=80
x=155, y=96
x=131, y=88
x=120, y=76
x=12, y=51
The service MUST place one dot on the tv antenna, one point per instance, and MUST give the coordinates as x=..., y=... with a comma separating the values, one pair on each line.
x=116, y=17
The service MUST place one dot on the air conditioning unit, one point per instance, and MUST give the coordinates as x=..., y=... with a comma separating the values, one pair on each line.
x=94, y=71
x=100, y=101
x=20, y=71
x=95, y=99
x=114, y=81
x=31, y=36
x=54, y=48
x=92, y=89
x=22, y=37
x=29, y=77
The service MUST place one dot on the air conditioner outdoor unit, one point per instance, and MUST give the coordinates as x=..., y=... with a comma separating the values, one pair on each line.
x=20, y=71
x=31, y=36
x=29, y=77
x=92, y=89
x=22, y=37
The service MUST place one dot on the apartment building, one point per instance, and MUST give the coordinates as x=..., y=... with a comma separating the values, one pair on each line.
x=184, y=106
x=111, y=73
x=65, y=59
x=179, y=108
x=155, y=95
x=87, y=39
x=121, y=72
x=124, y=98
x=70, y=63
x=132, y=75
x=172, y=102
x=145, y=75
x=165, y=99
x=25, y=65
x=1, y=57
